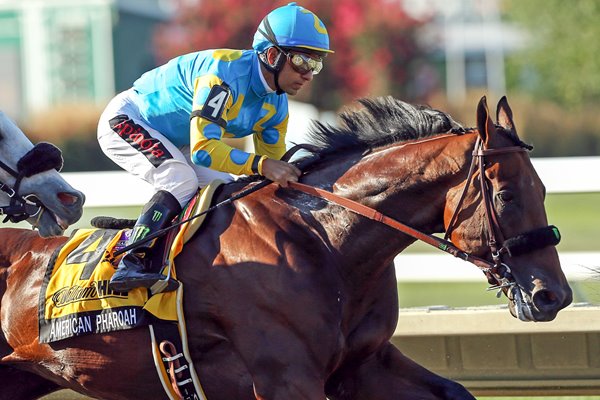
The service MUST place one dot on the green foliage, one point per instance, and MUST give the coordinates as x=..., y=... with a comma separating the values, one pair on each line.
x=376, y=52
x=561, y=62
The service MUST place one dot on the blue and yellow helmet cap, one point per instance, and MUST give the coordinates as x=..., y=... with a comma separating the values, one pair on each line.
x=292, y=26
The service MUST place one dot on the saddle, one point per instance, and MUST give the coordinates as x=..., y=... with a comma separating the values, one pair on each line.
x=76, y=300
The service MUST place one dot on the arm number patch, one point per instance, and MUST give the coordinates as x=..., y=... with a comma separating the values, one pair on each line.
x=215, y=103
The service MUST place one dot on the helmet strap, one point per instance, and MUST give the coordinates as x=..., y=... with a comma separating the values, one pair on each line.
x=274, y=68
x=279, y=90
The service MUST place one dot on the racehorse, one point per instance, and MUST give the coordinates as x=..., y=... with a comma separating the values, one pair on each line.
x=30, y=186
x=290, y=296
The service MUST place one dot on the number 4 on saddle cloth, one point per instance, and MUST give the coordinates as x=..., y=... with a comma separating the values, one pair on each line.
x=75, y=297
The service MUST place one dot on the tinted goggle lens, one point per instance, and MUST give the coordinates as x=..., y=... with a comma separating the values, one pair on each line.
x=304, y=64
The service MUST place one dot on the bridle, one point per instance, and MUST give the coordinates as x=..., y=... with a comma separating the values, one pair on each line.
x=42, y=157
x=498, y=272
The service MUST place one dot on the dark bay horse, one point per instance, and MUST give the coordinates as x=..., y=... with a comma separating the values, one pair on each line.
x=288, y=296
x=29, y=178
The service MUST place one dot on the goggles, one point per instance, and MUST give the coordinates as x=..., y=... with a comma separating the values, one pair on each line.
x=303, y=63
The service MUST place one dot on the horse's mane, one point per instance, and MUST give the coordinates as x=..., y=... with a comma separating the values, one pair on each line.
x=381, y=121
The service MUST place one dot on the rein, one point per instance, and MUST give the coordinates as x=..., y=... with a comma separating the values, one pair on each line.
x=371, y=213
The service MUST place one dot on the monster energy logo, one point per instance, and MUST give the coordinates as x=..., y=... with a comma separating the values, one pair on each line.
x=157, y=216
x=139, y=232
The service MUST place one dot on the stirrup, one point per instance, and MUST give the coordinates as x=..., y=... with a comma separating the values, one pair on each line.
x=165, y=285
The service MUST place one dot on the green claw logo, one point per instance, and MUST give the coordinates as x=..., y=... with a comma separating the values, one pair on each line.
x=157, y=216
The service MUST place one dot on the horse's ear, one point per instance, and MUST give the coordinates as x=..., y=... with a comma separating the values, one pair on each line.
x=504, y=115
x=485, y=125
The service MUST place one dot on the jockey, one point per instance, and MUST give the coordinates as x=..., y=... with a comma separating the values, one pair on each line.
x=167, y=128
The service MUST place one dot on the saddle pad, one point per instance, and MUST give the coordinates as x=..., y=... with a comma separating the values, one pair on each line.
x=75, y=298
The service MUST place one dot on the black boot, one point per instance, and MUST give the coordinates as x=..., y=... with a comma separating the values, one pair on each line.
x=135, y=269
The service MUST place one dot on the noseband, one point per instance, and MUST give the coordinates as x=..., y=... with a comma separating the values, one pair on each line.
x=42, y=157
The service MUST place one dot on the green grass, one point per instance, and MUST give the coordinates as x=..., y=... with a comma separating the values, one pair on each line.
x=577, y=215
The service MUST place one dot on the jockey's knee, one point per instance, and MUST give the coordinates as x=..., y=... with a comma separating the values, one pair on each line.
x=180, y=180
x=185, y=190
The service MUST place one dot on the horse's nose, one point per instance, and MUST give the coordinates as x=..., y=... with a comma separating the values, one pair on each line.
x=548, y=301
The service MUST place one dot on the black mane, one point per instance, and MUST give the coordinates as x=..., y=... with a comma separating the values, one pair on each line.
x=382, y=121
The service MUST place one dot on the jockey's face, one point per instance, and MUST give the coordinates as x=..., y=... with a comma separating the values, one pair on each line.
x=291, y=81
x=292, y=78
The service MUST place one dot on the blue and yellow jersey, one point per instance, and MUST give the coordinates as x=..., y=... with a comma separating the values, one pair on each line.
x=225, y=92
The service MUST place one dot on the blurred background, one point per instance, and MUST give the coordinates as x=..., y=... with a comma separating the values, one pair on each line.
x=61, y=61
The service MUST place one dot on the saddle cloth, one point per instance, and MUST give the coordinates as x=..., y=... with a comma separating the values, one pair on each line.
x=75, y=298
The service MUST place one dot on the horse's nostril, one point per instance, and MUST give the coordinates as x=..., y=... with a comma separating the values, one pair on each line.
x=67, y=199
x=546, y=300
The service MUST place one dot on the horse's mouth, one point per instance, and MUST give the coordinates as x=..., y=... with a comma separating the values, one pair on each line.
x=520, y=305
x=61, y=222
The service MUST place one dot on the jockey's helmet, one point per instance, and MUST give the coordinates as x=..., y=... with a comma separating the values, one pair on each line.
x=292, y=27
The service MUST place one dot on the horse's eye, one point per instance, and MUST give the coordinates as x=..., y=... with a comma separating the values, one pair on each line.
x=504, y=196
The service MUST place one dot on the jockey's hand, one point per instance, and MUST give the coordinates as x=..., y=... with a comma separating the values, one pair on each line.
x=280, y=172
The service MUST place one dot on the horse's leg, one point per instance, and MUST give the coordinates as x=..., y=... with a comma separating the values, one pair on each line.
x=389, y=374
x=23, y=385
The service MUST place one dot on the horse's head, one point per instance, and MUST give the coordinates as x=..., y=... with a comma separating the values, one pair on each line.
x=503, y=220
x=32, y=188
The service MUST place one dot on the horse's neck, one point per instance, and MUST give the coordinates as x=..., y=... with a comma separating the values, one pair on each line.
x=407, y=182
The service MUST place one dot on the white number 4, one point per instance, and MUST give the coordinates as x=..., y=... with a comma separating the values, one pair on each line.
x=216, y=103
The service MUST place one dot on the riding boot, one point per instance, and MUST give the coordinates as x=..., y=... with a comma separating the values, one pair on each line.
x=135, y=268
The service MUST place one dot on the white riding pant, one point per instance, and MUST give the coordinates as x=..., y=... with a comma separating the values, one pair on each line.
x=147, y=154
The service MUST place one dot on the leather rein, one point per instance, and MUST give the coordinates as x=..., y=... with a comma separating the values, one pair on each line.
x=497, y=272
